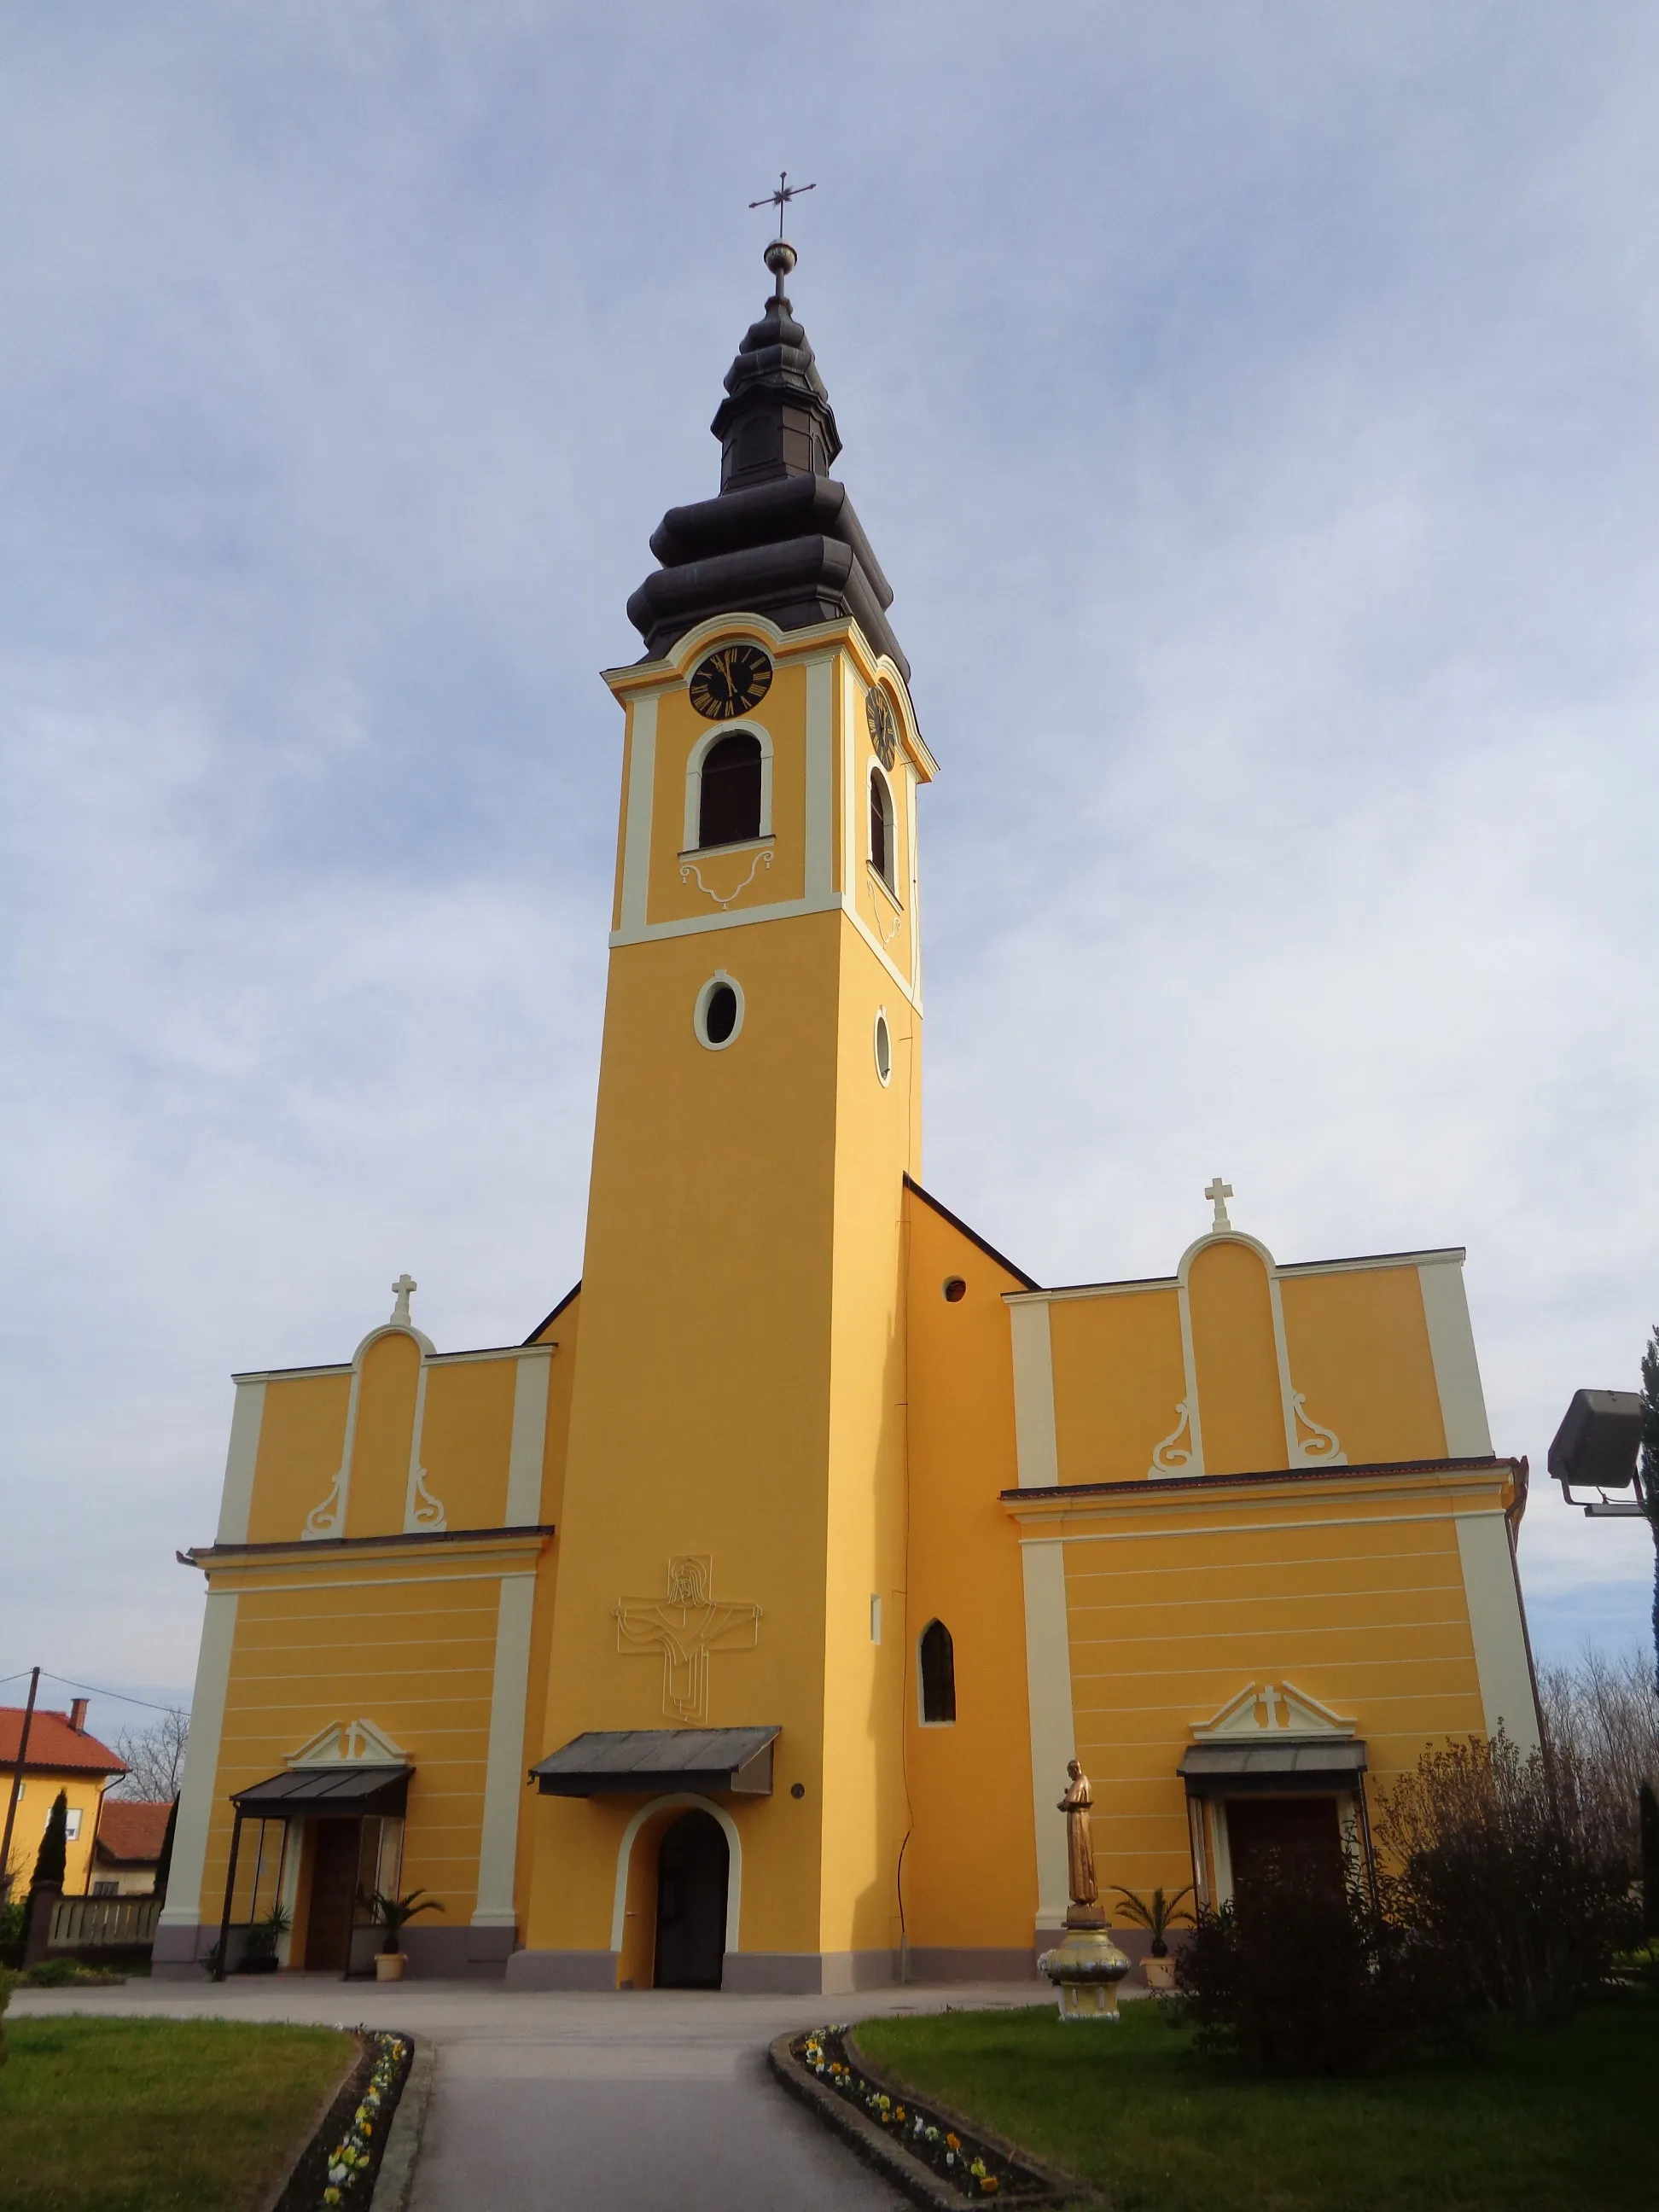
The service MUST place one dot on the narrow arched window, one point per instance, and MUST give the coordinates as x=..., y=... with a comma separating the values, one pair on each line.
x=881, y=827
x=729, y=796
x=939, y=1674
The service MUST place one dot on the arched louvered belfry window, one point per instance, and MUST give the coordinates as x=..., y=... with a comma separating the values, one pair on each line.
x=938, y=1674
x=729, y=795
x=881, y=827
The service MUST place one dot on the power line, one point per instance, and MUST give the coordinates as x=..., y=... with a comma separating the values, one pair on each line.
x=93, y=1691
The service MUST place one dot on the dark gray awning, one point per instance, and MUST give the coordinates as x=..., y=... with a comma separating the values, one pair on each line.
x=644, y=1761
x=1234, y=1770
x=346, y=1790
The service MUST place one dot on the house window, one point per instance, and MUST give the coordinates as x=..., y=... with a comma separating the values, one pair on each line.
x=72, y=1826
x=106, y=1889
x=881, y=827
x=939, y=1675
x=729, y=797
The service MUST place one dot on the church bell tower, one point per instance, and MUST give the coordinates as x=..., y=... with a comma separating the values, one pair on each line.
x=731, y=1543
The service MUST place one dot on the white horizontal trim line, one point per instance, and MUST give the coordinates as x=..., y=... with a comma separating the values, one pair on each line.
x=1446, y=1256
x=373, y=1582
x=698, y=924
x=1327, y=1521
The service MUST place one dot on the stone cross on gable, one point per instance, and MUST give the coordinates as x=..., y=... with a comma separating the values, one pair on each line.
x=685, y=1626
x=1220, y=1192
x=401, y=1289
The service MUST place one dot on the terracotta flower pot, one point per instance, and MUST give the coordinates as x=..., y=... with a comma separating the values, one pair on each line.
x=389, y=1966
x=1159, y=1972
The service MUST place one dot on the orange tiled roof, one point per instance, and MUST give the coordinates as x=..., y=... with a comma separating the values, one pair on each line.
x=130, y=1832
x=54, y=1744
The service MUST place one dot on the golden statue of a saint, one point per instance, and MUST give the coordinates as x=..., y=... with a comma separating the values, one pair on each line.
x=1085, y=1909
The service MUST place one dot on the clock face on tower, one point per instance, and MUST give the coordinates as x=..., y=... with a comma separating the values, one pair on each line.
x=883, y=734
x=732, y=679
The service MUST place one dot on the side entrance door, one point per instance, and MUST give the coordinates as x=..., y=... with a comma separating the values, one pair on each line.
x=333, y=1895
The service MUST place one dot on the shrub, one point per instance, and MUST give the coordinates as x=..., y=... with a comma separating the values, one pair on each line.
x=52, y=1857
x=1513, y=1872
x=1307, y=1979
x=1650, y=1814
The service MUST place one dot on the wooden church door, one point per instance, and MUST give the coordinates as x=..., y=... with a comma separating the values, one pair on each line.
x=1292, y=1838
x=692, y=1864
x=333, y=1896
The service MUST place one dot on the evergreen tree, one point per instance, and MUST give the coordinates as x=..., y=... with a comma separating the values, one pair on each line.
x=164, y=1864
x=1650, y=1808
x=51, y=1860
x=1651, y=1471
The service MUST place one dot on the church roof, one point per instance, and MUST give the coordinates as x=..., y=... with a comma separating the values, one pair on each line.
x=632, y=1761
x=780, y=539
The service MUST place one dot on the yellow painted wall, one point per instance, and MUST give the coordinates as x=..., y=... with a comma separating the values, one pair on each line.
x=410, y=1647
x=1237, y=1363
x=1119, y=1380
x=1359, y=1350
x=39, y=1791
x=466, y=1437
x=1359, y=1600
x=301, y=1438
x=386, y=1428
x=971, y=1868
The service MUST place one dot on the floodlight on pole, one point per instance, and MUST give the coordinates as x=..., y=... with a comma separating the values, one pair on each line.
x=1598, y=1447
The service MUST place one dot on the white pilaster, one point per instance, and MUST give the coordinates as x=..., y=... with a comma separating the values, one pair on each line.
x=236, y=1498
x=1493, y=1597
x=1034, y=1394
x=1049, y=1690
x=820, y=781
x=636, y=831
x=207, y=1721
x=1451, y=1345
x=498, y=1844
x=524, y=1462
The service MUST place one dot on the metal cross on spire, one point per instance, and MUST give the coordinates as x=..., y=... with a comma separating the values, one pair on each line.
x=780, y=198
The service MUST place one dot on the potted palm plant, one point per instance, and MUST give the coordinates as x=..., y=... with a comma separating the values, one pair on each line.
x=393, y=1914
x=260, y=1952
x=1158, y=1913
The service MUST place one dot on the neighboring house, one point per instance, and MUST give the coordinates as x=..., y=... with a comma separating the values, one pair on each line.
x=127, y=1848
x=61, y=1756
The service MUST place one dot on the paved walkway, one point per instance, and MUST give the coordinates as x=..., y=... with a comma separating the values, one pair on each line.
x=628, y=2103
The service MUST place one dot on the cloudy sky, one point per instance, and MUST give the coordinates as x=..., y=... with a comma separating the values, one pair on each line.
x=1254, y=408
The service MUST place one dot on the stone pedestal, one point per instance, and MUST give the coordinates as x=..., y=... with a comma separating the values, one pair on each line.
x=1085, y=1968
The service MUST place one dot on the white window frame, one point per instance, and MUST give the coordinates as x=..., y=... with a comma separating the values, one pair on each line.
x=700, y=1008
x=887, y=877
x=699, y=753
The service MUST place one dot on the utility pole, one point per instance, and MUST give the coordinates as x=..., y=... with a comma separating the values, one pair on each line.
x=17, y=1785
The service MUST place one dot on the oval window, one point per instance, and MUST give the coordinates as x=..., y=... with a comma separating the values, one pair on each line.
x=883, y=1048
x=718, y=1015
x=955, y=1290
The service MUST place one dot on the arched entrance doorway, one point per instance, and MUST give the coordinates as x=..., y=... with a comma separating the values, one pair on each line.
x=692, y=1864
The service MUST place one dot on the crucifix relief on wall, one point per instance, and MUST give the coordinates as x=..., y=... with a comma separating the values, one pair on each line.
x=685, y=1626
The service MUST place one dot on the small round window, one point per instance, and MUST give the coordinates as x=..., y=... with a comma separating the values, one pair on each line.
x=883, y=1048
x=718, y=1015
x=955, y=1290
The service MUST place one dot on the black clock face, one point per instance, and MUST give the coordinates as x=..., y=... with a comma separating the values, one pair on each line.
x=732, y=679
x=884, y=734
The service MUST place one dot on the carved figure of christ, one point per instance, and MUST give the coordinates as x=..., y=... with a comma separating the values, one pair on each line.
x=685, y=1626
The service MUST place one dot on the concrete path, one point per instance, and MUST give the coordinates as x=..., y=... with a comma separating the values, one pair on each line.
x=634, y=2102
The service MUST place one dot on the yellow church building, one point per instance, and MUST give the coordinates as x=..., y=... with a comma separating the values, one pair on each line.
x=735, y=1629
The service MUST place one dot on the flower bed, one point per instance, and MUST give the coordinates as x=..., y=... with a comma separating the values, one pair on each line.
x=966, y=2164
x=339, y=2166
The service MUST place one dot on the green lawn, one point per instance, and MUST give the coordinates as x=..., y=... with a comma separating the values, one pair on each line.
x=1549, y=2121
x=139, y=2115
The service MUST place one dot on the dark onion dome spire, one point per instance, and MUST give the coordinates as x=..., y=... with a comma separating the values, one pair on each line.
x=781, y=539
